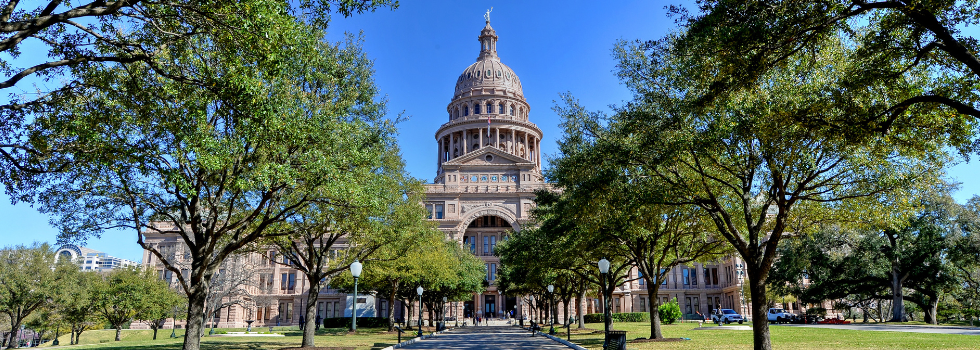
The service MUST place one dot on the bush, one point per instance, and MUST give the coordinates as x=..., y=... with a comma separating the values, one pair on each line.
x=669, y=312
x=344, y=322
x=619, y=317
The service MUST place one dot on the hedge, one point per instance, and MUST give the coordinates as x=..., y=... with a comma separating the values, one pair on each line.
x=344, y=322
x=619, y=317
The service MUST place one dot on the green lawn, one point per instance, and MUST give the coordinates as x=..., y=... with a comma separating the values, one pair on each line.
x=366, y=338
x=782, y=338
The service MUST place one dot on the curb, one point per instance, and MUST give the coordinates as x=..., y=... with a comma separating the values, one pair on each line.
x=413, y=340
x=563, y=341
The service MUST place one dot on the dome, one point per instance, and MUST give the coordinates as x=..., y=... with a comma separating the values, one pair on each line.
x=487, y=71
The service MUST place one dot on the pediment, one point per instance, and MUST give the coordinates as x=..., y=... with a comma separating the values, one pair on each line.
x=480, y=157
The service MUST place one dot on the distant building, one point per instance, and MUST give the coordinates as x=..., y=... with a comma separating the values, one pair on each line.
x=91, y=259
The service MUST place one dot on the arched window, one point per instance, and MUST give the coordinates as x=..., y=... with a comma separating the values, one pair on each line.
x=489, y=108
x=466, y=110
x=511, y=110
x=476, y=108
x=500, y=108
x=457, y=112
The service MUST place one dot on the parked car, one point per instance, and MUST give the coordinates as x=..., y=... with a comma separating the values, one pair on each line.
x=779, y=315
x=726, y=316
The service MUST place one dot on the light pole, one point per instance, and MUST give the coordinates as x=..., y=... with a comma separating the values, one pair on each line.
x=551, y=296
x=355, y=270
x=741, y=296
x=420, y=290
x=607, y=316
x=173, y=328
x=444, y=301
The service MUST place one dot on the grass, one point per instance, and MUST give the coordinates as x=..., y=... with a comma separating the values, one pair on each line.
x=366, y=338
x=782, y=338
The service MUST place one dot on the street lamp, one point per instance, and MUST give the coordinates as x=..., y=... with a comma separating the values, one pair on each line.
x=607, y=316
x=173, y=328
x=551, y=294
x=420, y=290
x=355, y=270
x=444, y=301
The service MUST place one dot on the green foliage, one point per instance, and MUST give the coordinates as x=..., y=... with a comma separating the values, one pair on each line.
x=670, y=311
x=619, y=317
x=31, y=275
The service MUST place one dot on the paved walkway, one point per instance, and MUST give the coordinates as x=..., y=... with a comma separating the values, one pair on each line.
x=893, y=328
x=493, y=337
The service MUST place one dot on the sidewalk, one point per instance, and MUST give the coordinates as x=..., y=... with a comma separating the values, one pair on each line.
x=483, y=337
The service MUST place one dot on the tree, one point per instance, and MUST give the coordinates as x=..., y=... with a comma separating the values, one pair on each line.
x=77, y=35
x=629, y=212
x=892, y=39
x=124, y=294
x=74, y=302
x=221, y=162
x=743, y=161
x=378, y=212
x=164, y=304
x=29, y=275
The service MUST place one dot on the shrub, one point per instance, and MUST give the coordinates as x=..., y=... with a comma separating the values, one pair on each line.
x=619, y=317
x=669, y=312
x=344, y=322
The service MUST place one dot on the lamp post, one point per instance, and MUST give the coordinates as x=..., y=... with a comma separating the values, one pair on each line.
x=551, y=310
x=420, y=290
x=444, y=301
x=355, y=270
x=741, y=296
x=173, y=328
x=604, y=271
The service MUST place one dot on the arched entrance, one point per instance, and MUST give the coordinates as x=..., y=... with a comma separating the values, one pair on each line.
x=480, y=237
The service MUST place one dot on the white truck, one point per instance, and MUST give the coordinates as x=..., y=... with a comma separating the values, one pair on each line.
x=726, y=316
x=778, y=315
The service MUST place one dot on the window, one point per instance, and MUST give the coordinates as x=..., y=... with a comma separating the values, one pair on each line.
x=643, y=304
x=500, y=108
x=486, y=245
x=167, y=275
x=439, y=208
x=493, y=178
x=476, y=109
x=474, y=179
x=466, y=110
x=686, y=277
x=662, y=273
x=489, y=108
x=707, y=275
x=687, y=304
x=493, y=244
x=282, y=282
x=714, y=275
x=694, y=277
x=292, y=281
x=492, y=272
x=640, y=275
x=512, y=110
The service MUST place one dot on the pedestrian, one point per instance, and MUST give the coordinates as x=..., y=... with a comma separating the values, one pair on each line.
x=302, y=322
x=318, y=321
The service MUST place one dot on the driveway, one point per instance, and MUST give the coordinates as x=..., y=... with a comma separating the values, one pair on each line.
x=893, y=328
x=492, y=337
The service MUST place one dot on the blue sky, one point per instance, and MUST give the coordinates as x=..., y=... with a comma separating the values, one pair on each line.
x=420, y=49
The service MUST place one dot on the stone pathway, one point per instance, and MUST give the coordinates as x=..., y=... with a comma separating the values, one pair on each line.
x=893, y=328
x=493, y=337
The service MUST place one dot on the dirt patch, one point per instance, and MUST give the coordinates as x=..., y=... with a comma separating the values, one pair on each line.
x=644, y=340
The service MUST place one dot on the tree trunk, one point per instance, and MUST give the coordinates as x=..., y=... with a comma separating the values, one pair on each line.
x=760, y=324
x=155, y=329
x=408, y=317
x=930, y=311
x=581, y=306
x=898, y=306
x=15, y=325
x=309, y=329
x=656, y=331
x=568, y=312
x=195, y=319
x=118, y=331
x=391, y=306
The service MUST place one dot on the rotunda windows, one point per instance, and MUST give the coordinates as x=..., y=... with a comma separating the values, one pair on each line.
x=476, y=108
x=466, y=110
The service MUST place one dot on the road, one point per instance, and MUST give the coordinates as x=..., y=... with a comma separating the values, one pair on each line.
x=493, y=337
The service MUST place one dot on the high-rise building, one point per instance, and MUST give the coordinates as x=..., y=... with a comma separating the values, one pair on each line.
x=91, y=259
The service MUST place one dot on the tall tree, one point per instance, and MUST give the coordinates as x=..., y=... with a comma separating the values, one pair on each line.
x=219, y=162
x=379, y=212
x=64, y=38
x=740, y=43
x=743, y=161
x=29, y=275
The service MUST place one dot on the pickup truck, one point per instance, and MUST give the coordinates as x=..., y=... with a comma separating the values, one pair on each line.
x=726, y=316
x=778, y=315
